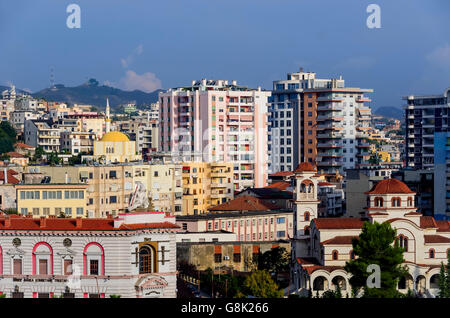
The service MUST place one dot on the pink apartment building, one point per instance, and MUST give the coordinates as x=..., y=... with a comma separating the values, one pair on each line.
x=214, y=121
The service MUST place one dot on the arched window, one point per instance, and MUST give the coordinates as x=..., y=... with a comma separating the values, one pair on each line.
x=403, y=242
x=410, y=201
x=334, y=255
x=146, y=260
x=307, y=216
x=379, y=202
x=352, y=254
x=431, y=253
x=42, y=257
x=93, y=259
x=396, y=202
x=306, y=230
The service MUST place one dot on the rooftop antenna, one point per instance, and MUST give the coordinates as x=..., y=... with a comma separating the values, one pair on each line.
x=52, y=79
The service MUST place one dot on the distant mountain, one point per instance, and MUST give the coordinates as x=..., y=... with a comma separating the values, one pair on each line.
x=92, y=93
x=391, y=112
x=18, y=91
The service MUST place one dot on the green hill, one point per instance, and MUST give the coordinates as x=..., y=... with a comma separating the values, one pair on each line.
x=94, y=94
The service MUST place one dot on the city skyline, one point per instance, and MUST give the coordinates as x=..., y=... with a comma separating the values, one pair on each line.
x=220, y=41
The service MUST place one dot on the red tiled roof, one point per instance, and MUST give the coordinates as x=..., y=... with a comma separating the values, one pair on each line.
x=17, y=222
x=137, y=226
x=443, y=226
x=305, y=166
x=307, y=261
x=390, y=186
x=22, y=145
x=245, y=203
x=427, y=222
x=282, y=185
x=10, y=174
x=340, y=240
x=338, y=223
x=431, y=239
x=13, y=154
x=413, y=213
x=281, y=174
x=324, y=184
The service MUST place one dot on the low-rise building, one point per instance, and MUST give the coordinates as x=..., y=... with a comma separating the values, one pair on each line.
x=51, y=199
x=252, y=219
x=77, y=142
x=39, y=133
x=133, y=255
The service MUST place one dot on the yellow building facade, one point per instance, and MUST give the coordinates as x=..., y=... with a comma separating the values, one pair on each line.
x=206, y=184
x=52, y=200
x=115, y=147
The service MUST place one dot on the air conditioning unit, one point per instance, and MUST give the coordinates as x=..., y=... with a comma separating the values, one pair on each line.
x=226, y=258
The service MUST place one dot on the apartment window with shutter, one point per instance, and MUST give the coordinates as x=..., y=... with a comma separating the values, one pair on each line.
x=17, y=267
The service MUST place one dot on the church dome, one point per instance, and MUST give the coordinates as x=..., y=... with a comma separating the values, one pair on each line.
x=115, y=136
x=390, y=186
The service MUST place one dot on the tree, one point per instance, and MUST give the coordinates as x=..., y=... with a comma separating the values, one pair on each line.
x=259, y=284
x=38, y=153
x=374, y=246
x=444, y=280
x=275, y=261
x=53, y=158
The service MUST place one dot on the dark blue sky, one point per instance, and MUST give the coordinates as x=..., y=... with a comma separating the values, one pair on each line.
x=147, y=44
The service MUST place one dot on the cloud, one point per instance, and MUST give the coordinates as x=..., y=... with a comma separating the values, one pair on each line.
x=130, y=58
x=359, y=62
x=147, y=82
x=440, y=56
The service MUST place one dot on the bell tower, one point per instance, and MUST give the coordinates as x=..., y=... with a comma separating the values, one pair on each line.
x=305, y=199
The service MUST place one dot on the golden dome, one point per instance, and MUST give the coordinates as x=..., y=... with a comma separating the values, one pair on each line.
x=115, y=136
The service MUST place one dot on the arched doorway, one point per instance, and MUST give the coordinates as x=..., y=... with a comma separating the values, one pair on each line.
x=339, y=281
x=420, y=284
x=434, y=281
x=320, y=283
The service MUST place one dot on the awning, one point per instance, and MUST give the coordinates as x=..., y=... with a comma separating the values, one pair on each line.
x=217, y=249
x=237, y=249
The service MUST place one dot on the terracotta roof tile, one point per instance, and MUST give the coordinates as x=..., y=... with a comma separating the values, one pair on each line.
x=10, y=174
x=13, y=154
x=22, y=145
x=427, y=222
x=245, y=203
x=18, y=222
x=305, y=166
x=443, y=226
x=281, y=174
x=390, y=186
x=340, y=240
x=338, y=223
x=281, y=185
x=431, y=239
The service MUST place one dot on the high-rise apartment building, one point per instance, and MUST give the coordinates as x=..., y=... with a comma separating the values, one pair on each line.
x=319, y=121
x=214, y=121
x=424, y=115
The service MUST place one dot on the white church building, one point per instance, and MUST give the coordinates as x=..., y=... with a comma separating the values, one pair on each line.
x=322, y=246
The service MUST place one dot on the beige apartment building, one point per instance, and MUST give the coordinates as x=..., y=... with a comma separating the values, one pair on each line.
x=206, y=184
x=110, y=187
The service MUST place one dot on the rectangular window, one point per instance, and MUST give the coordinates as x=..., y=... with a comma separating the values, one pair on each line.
x=93, y=267
x=17, y=267
x=281, y=234
x=217, y=258
x=43, y=268
x=237, y=257
x=68, y=267
x=113, y=199
x=68, y=211
x=280, y=220
x=79, y=211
